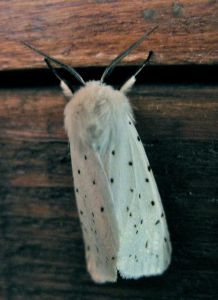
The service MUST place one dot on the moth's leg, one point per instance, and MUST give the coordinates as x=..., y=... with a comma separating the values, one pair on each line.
x=66, y=156
x=144, y=63
x=129, y=83
x=65, y=84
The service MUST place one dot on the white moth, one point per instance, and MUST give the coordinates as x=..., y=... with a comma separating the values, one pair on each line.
x=121, y=214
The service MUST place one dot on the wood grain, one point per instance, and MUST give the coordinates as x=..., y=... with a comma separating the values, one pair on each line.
x=85, y=33
x=40, y=238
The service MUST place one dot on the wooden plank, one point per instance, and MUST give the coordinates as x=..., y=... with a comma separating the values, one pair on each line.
x=163, y=112
x=85, y=33
x=40, y=238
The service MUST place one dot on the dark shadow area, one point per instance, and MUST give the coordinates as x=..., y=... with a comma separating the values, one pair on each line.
x=186, y=74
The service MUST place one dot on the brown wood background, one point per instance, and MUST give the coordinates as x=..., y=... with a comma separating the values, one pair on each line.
x=85, y=33
x=41, y=248
x=40, y=234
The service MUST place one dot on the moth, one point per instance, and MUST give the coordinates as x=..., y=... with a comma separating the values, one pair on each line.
x=122, y=218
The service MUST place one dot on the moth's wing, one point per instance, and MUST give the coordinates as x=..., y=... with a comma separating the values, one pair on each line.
x=145, y=247
x=95, y=207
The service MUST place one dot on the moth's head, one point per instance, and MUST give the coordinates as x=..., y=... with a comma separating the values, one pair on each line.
x=93, y=90
x=93, y=102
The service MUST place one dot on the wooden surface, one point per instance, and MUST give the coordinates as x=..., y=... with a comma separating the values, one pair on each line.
x=40, y=238
x=85, y=33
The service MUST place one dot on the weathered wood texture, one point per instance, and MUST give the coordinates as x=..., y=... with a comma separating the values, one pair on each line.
x=85, y=33
x=40, y=238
